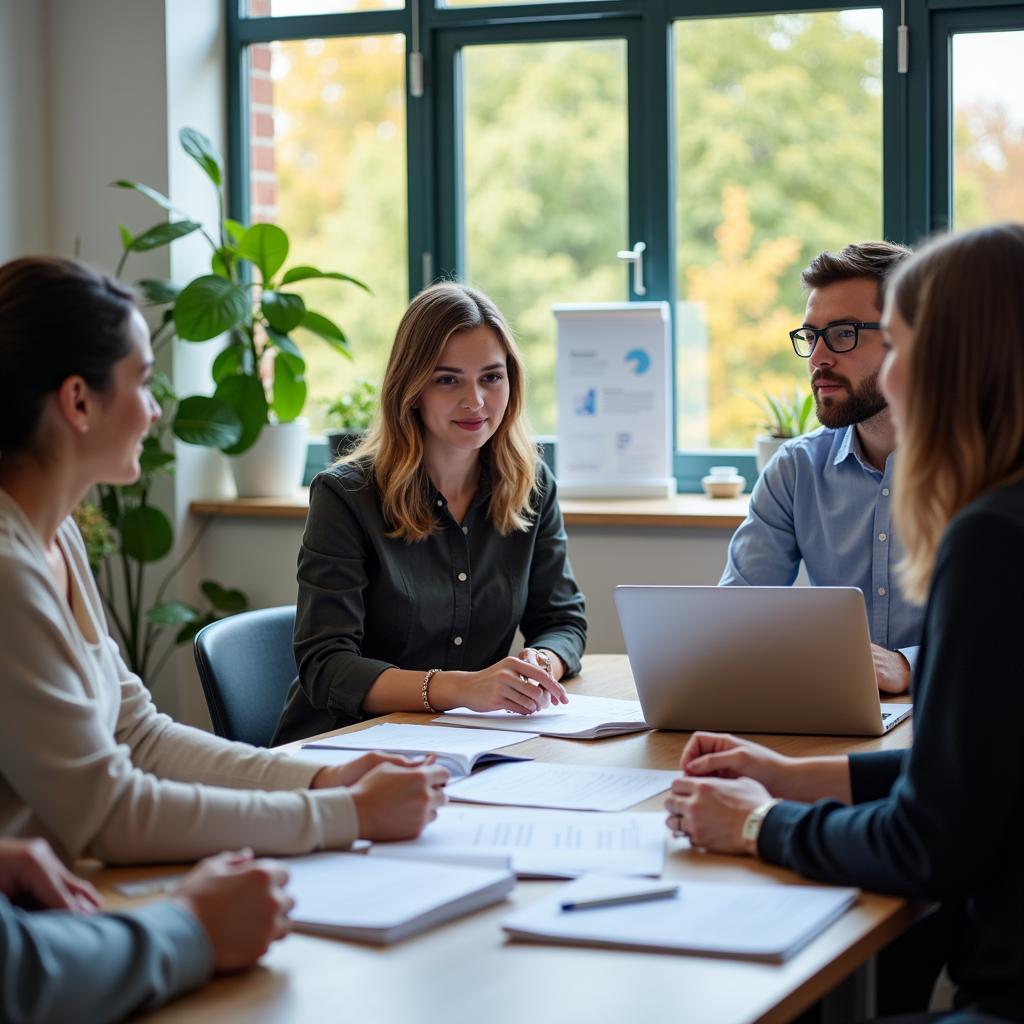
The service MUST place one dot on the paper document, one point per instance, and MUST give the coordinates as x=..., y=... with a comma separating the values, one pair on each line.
x=459, y=750
x=542, y=843
x=756, y=922
x=583, y=718
x=569, y=786
x=383, y=900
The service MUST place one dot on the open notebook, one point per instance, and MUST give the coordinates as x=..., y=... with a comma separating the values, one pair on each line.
x=583, y=718
x=457, y=750
x=752, y=922
x=380, y=900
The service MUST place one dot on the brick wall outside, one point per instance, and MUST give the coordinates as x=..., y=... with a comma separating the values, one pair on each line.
x=262, y=168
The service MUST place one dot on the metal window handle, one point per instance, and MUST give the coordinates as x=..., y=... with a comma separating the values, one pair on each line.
x=636, y=257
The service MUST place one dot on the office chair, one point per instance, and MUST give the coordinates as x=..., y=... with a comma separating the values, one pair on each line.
x=246, y=665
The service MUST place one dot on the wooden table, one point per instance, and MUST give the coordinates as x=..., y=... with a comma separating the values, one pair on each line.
x=466, y=972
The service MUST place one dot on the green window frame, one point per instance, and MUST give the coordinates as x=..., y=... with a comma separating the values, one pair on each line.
x=916, y=134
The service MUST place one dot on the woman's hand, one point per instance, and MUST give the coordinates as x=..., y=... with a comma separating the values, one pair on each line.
x=397, y=803
x=545, y=659
x=512, y=684
x=712, y=812
x=32, y=874
x=728, y=757
x=351, y=773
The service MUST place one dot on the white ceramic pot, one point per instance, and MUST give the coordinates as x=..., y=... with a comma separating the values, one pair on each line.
x=273, y=466
x=767, y=446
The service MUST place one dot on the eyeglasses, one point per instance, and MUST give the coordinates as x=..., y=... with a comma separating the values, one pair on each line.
x=841, y=337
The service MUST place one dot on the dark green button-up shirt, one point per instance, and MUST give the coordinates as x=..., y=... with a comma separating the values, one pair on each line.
x=368, y=602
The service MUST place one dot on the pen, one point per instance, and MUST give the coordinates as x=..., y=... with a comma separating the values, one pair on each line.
x=629, y=897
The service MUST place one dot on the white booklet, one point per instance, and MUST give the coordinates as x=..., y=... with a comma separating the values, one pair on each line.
x=380, y=900
x=755, y=922
x=583, y=718
x=568, y=786
x=541, y=843
x=458, y=750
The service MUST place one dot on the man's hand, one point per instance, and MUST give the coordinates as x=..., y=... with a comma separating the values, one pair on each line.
x=892, y=670
x=31, y=874
x=241, y=904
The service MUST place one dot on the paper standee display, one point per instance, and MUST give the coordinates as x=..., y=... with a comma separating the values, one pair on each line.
x=614, y=400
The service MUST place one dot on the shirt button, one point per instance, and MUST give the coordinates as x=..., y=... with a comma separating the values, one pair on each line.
x=465, y=529
x=885, y=492
x=881, y=536
x=881, y=591
x=463, y=577
x=457, y=641
x=439, y=502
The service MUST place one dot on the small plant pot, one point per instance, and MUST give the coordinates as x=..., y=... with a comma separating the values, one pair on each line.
x=274, y=466
x=341, y=442
x=767, y=446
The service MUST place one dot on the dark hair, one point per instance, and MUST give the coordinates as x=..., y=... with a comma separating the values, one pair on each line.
x=875, y=260
x=58, y=319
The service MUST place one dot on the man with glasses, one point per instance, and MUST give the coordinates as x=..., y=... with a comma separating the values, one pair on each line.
x=825, y=498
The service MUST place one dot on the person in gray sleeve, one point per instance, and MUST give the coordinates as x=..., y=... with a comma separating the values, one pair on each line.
x=428, y=546
x=66, y=961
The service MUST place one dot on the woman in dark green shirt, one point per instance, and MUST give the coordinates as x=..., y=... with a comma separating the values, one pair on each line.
x=943, y=821
x=435, y=540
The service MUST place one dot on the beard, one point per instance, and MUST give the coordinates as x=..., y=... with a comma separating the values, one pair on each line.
x=860, y=404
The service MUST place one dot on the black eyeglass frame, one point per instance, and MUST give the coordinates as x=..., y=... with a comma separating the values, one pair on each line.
x=822, y=332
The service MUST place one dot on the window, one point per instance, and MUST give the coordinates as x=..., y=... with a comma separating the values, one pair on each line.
x=544, y=136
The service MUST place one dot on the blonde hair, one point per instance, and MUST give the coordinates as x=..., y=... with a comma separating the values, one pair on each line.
x=963, y=429
x=394, y=446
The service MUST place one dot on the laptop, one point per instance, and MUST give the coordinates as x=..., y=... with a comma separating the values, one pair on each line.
x=754, y=659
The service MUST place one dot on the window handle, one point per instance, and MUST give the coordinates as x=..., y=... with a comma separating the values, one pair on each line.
x=636, y=257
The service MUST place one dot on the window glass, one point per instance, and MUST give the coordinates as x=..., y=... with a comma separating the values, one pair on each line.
x=779, y=156
x=286, y=8
x=496, y=3
x=328, y=165
x=988, y=124
x=544, y=138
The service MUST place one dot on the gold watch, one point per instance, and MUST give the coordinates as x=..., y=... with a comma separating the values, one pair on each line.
x=752, y=826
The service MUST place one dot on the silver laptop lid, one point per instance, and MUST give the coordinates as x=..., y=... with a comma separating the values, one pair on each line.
x=752, y=659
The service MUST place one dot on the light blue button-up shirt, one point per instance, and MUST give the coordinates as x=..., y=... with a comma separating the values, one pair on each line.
x=821, y=502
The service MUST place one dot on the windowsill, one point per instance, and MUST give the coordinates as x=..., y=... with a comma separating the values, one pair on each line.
x=692, y=511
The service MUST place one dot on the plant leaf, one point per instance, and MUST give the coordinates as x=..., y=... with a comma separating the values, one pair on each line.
x=305, y=273
x=328, y=330
x=187, y=633
x=209, y=306
x=162, y=234
x=146, y=534
x=283, y=310
x=289, y=391
x=221, y=261
x=207, y=422
x=234, y=228
x=222, y=599
x=150, y=193
x=266, y=245
x=288, y=351
x=172, y=613
x=126, y=237
x=245, y=395
x=233, y=359
x=153, y=456
x=110, y=506
x=200, y=148
x=157, y=292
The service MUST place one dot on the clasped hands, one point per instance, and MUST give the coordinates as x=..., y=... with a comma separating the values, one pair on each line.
x=522, y=685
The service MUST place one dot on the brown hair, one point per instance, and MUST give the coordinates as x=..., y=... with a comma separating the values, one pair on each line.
x=394, y=445
x=963, y=431
x=58, y=319
x=875, y=260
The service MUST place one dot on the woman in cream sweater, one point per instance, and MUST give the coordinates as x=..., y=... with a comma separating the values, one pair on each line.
x=86, y=760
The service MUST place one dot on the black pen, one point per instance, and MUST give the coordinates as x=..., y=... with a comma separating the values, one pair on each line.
x=630, y=897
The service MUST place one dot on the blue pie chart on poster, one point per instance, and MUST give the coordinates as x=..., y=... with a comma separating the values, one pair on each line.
x=640, y=359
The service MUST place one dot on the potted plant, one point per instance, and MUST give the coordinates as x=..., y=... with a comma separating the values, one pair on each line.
x=349, y=417
x=786, y=415
x=260, y=374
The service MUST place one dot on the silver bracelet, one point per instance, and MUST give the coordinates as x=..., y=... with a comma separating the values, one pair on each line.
x=424, y=690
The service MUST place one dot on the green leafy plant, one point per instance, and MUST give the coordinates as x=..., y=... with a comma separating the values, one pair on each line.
x=260, y=374
x=785, y=414
x=353, y=409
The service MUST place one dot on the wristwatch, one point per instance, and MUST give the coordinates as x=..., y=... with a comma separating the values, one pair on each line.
x=752, y=826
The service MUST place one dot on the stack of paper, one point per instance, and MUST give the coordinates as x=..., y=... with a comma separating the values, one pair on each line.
x=381, y=900
x=540, y=843
x=569, y=786
x=458, y=750
x=583, y=718
x=755, y=922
